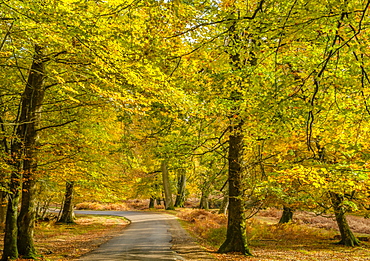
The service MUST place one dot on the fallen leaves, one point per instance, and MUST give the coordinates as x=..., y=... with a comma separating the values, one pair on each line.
x=269, y=241
x=67, y=242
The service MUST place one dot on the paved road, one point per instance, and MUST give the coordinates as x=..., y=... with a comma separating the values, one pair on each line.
x=147, y=238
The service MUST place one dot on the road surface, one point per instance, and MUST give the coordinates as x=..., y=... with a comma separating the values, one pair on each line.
x=147, y=238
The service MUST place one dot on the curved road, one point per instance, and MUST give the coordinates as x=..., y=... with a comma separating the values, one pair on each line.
x=147, y=238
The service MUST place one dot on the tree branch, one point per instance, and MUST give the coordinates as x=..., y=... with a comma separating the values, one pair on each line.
x=6, y=34
x=54, y=126
x=259, y=8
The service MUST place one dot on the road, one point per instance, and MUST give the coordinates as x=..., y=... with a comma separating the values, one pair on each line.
x=147, y=238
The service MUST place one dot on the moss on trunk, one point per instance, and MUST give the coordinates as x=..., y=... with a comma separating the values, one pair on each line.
x=10, y=250
x=347, y=237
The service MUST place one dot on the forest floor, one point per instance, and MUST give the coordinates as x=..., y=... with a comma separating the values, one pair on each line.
x=67, y=242
x=309, y=237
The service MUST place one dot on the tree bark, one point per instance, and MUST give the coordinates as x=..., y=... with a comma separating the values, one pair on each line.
x=181, y=186
x=204, y=199
x=287, y=215
x=167, y=187
x=151, y=202
x=347, y=237
x=3, y=205
x=224, y=205
x=11, y=230
x=32, y=99
x=23, y=153
x=236, y=238
x=26, y=220
x=67, y=212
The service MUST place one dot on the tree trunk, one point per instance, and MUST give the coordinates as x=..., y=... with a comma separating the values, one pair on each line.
x=26, y=220
x=32, y=99
x=3, y=205
x=181, y=185
x=23, y=152
x=206, y=190
x=11, y=230
x=67, y=212
x=204, y=199
x=4, y=146
x=347, y=237
x=42, y=208
x=236, y=238
x=224, y=205
x=151, y=202
x=287, y=215
x=167, y=187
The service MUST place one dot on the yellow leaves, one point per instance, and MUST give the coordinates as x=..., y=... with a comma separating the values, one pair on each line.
x=73, y=99
x=321, y=178
x=227, y=4
x=69, y=88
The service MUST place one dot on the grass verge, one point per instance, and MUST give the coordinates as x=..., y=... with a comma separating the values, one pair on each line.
x=59, y=242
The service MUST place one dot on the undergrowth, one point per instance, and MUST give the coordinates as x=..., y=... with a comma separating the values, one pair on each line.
x=205, y=225
x=304, y=239
x=211, y=228
x=100, y=206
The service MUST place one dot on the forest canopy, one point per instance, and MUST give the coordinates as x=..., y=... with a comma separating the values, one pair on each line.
x=264, y=103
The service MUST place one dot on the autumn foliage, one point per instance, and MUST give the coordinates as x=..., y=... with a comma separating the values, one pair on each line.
x=265, y=100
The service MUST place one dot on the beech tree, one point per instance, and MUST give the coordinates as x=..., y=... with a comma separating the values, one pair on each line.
x=80, y=47
x=67, y=215
x=186, y=79
x=181, y=188
x=299, y=51
x=23, y=153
